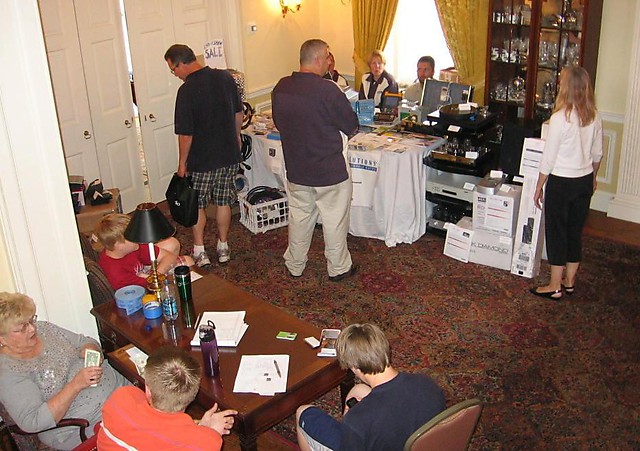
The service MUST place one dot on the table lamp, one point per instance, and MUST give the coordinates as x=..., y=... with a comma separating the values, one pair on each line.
x=148, y=226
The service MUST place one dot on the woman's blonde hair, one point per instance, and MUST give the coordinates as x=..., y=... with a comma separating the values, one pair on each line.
x=363, y=347
x=576, y=93
x=15, y=308
x=110, y=229
x=379, y=54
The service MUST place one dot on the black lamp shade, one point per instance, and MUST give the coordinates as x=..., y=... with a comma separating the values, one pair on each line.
x=148, y=225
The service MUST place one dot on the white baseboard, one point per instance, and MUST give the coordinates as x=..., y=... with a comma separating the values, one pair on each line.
x=625, y=207
x=600, y=201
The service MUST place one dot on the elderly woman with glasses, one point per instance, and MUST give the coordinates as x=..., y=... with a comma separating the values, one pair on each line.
x=42, y=374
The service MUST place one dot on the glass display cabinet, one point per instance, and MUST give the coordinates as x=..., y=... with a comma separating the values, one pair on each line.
x=529, y=42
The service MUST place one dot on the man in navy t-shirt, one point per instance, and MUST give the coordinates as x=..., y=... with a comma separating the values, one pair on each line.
x=382, y=412
x=208, y=118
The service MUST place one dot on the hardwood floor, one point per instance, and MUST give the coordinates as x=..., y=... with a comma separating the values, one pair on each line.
x=599, y=225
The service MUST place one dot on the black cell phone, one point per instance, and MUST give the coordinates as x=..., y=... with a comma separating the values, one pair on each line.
x=351, y=402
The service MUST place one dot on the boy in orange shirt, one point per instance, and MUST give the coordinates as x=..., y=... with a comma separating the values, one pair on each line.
x=155, y=418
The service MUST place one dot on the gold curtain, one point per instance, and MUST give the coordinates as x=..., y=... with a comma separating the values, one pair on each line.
x=372, y=22
x=465, y=24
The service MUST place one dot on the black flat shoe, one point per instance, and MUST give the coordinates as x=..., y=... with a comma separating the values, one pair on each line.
x=568, y=290
x=547, y=294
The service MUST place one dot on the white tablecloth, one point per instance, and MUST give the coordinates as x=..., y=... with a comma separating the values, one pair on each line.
x=397, y=213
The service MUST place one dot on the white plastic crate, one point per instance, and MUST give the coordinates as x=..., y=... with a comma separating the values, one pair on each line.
x=264, y=216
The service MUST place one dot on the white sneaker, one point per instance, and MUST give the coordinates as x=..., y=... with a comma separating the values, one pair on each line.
x=202, y=260
x=224, y=254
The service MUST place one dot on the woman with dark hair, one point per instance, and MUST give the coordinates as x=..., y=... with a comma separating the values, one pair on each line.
x=333, y=74
x=568, y=169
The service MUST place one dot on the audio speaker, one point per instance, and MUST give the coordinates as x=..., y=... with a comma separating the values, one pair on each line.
x=513, y=136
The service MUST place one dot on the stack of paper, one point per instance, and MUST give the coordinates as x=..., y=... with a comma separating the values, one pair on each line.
x=262, y=374
x=139, y=358
x=230, y=327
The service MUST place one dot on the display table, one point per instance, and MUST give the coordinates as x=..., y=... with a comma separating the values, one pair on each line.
x=389, y=180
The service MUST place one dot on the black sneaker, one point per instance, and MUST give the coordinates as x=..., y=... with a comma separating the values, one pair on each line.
x=344, y=275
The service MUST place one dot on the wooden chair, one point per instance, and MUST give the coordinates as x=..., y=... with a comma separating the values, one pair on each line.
x=88, y=250
x=450, y=430
x=99, y=287
x=30, y=439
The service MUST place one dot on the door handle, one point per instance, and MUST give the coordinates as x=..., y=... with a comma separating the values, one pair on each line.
x=87, y=134
x=127, y=123
x=152, y=118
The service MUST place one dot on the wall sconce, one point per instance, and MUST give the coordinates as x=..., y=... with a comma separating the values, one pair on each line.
x=290, y=6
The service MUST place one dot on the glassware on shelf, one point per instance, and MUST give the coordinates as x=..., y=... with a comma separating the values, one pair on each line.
x=525, y=15
x=548, y=94
x=548, y=53
x=571, y=18
x=553, y=53
x=504, y=55
x=573, y=54
x=530, y=43
x=499, y=92
x=543, y=53
x=507, y=14
x=517, y=90
x=546, y=90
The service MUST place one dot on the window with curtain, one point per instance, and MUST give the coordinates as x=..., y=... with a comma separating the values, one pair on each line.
x=416, y=32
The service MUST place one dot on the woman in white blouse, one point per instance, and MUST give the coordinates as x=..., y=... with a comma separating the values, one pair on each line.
x=568, y=169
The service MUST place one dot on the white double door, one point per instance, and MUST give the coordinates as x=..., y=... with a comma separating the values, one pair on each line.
x=86, y=49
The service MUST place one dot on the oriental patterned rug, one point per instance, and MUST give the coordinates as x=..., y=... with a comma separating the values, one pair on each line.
x=552, y=375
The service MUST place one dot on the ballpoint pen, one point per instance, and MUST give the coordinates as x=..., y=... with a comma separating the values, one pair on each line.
x=275, y=362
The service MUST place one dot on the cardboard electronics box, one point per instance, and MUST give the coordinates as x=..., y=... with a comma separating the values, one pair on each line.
x=529, y=239
x=90, y=215
x=531, y=156
x=488, y=248
x=497, y=213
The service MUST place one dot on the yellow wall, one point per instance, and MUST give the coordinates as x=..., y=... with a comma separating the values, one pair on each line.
x=614, y=55
x=272, y=52
x=612, y=79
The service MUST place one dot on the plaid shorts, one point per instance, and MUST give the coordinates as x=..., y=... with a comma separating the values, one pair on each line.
x=216, y=185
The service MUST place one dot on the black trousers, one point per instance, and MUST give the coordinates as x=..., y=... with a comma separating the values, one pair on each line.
x=566, y=205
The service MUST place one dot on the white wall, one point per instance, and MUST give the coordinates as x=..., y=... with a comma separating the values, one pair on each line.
x=35, y=210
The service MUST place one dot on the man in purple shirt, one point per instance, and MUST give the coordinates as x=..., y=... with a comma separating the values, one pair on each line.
x=315, y=121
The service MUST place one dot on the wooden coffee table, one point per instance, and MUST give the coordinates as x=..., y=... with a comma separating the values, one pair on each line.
x=309, y=376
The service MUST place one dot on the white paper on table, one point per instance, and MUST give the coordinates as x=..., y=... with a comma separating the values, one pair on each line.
x=259, y=374
x=138, y=358
x=229, y=326
x=195, y=276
